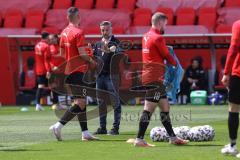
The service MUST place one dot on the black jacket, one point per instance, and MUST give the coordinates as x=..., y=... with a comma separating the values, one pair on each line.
x=106, y=57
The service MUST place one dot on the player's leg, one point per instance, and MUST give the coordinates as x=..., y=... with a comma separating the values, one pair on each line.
x=166, y=121
x=56, y=104
x=67, y=116
x=101, y=85
x=233, y=116
x=149, y=108
x=113, y=87
x=41, y=81
x=78, y=108
x=82, y=118
x=233, y=123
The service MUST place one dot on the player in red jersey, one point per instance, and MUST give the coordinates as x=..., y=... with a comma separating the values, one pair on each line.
x=43, y=68
x=55, y=62
x=154, y=52
x=231, y=80
x=71, y=46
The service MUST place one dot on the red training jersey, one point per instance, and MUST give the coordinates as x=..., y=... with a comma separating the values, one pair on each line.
x=55, y=61
x=233, y=57
x=42, y=58
x=71, y=39
x=154, y=52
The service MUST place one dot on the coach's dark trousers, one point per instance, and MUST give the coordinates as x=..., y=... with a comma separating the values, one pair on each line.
x=105, y=83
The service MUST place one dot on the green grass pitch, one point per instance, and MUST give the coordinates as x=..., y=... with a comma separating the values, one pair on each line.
x=25, y=136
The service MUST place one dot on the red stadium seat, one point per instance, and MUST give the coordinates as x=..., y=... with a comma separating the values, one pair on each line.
x=86, y=4
x=62, y=4
x=142, y=17
x=208, y=17
x=223, y=28
x=169, y=13
x=1, y=20
x=118, y=30
x=232, y=3
x=104, y=4
x=96, y=30
x=186, y=29
x=24, y=5
x=91, y=30
x=34, y=19
x=51, y=30
x=138, y=30
x=128, y=5
x=56, y=18
x=118, y=18
x=228, y=15
x=13, y=19
x=186, y=16
x=176, y=4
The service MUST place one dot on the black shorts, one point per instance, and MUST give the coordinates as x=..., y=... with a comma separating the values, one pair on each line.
x=41, y=79
x=234, y=90
x=155, y=95
x=76, y=79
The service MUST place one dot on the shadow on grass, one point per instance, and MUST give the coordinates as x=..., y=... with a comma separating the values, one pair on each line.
x=112, y=140
x=23, y=150
x=203, y=145
x=132, y=134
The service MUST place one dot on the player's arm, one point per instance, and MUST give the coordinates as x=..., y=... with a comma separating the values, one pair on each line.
x=82, y=49
x=47, y=58
x=233, y=49
x=232, y=53
x=84, y=55
x=61, y=48
x=163, y=51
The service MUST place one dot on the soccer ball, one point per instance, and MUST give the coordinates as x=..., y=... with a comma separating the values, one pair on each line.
x=201, y=133
x=182, y=132
x=209, y=133
x=158, y=134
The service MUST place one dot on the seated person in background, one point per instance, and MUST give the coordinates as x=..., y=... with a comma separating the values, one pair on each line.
x=28, y=77
x=219, y=74
x=194, y=79
x=219, y=87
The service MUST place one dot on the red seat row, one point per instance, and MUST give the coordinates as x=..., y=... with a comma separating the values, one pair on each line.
x=15, y=19
x=184, y=16
x=130, y=4
x=100, y=4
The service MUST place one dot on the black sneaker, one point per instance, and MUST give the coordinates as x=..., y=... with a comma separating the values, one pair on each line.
x=113, y=131
x=101, y=131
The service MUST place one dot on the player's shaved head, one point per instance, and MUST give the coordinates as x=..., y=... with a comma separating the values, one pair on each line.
x=157, y=17
x=72, y=13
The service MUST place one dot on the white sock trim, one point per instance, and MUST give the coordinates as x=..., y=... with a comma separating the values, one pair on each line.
x=59, y=125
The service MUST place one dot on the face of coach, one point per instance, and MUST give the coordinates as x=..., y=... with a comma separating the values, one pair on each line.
x=106, y=29
x=159, y=21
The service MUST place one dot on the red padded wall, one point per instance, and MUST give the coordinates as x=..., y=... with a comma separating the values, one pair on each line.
x=7, y=90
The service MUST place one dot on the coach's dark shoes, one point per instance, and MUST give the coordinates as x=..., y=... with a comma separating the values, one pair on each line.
x=101, y=131
x=113, y=131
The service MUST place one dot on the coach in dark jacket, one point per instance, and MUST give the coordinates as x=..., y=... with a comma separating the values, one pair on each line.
x=104, y=50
